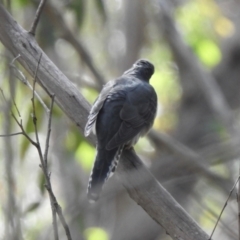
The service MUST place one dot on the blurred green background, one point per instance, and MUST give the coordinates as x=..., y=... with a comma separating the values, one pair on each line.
x=111, y=36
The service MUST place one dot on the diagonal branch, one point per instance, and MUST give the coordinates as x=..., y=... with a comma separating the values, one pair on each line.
x=37, y=17
x=150, y=195
x=187, y=61
x=191, y=158
x=56, y=209
x=225, y=205
x=77, y=44
x=24, y=80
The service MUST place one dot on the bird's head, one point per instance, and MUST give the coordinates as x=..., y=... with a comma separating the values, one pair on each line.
x=142, y=69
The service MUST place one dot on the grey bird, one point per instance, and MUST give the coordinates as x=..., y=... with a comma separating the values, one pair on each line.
x=124, y=111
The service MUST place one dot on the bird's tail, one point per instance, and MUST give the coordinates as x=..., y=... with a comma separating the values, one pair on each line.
x=104, y=166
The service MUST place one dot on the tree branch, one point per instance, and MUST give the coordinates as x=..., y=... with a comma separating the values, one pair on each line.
x=24, y=80
x=11, y=211
x=149, y=194
x=37, y=17
x=225, y=205
x=186, y=60
x=77, y=44
x=191, y=158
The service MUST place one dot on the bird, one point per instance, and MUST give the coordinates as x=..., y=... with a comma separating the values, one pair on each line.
x=124, y=111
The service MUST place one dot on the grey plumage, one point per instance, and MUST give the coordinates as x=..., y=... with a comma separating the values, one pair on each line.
x=124, y=111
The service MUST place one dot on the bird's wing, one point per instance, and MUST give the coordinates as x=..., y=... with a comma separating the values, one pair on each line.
x=137, y=118
x=96, y=107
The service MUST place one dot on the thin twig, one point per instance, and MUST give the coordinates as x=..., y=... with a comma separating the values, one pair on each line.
x=238, y=202
x=33, y=102
x=54, y=202
x=49, y=131
x=226, y=227
x=11, y=207
x=19, y=123
x=56, y=206
x=11, y=134
x=49, y=188
x=56, y=209
x=63, y=221
x=55, y=226
x=37, y=17
x=60, y=214
x=23, y=130
x=225, y=205
x=24, y=80
x=43, y=162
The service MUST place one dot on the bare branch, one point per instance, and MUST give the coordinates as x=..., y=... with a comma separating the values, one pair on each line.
x=238, y=202
x=11, y=211
x=56, y=209
x=19, y=123
x=11, y=134
x=34, y=110
x=60, y=214
x=49, y=131
x=225, y=205
x=37, y=17
x=24, y=80
x=77, y=44
x=205, y=207
x=43, y=159
x=54, y=204
x=55, y=226
x=190, y=157
x=186, y=60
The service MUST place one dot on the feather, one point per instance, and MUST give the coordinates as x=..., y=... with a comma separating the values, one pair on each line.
x=124, y=110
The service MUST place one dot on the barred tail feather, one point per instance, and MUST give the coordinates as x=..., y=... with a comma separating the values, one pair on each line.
x=115, y=162
x=104, y=167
